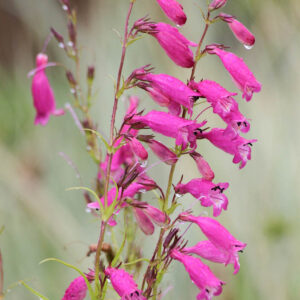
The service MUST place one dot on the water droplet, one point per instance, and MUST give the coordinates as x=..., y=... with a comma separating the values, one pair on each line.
x=108, y=280
x=70, y=44
x=248, y=47
x=178, y=195
x=143, y=191
x=73, y=91
x=88, y=148
x=88, y=210
x=61, y=45
x=144, y=164
x=65, y=7
x=178, y=26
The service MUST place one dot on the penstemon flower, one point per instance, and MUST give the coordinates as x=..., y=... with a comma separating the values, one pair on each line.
x=123, y=170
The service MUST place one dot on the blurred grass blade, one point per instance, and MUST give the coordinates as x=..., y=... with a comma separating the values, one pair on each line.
x=33, y=291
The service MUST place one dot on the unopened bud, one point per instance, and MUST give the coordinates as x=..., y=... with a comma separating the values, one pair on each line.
x=72, y=32
x=163, y=152
x=91, y=73
x=216, y=4
x=138, y=149
x=71, y=78
x=57, y=36
x=203, y=166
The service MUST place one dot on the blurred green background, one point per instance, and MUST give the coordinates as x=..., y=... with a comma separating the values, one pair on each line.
x=42, y=220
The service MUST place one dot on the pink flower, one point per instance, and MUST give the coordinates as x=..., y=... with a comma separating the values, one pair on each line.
x=200, y=274
x=173, y=10
x=143, y=221
x=217, y=234
x=163, y=152
x=171, y=40
x=156, y=215
x=76, y=290
x=207, y=250
x=223, y=104
x=124, y=284
x=168, y=87
x=42, y=93
x=207, y=192
x=239, y=30
x=216, y=4
x=184, y=131
x=203, y=166
x=236, y=145
x=138, y=149
x=238, y=70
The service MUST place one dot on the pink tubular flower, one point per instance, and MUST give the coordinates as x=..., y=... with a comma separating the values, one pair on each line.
x=203, y=166
x=217, y=234
x=143, y=221
x=207, y=250
x=42, y=93
x=238, y=70
x=76, y=290
x=173, y=10
x=236, y=145
x=171, y=40
x=216, y=4
x=170, y=88
x=200, y=274
x=138, y=149
x=242, y=33
x=184, y=131
x=208, y=193
x=163, y=152
x=156, y=215
x=124, y=284
x=223, y=104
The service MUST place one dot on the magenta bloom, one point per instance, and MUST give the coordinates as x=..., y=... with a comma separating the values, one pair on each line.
x=163, y=152
x=236, y=145
x=143, y=221
x=207, y=192
x=173, y=10
x=217, y=234
x=42, y=93
x=240, y=31
x=171, y=40
x=138, y=149
x=200, y=274
x=184, y=131
x=77, y=290
x=223, y=104
x=238, y=70
x=123, y=284
x=207, y=250
x=203, y=166
x=171, y=88
x=216, y=4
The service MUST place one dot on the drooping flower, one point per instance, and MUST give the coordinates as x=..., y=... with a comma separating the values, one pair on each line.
x=216, y=4
x=238, y=70
x=236, y=145
x=143, y=221
x=173, y=10
x=184, y=131
x=138, y=148
x=77, y=289
x=163, y=152
x=42, y=93
x=200, y=274
x=171, y=40
x=203, y=166
x=207, y=192
x=240, y=31
x=124, y=284
x=207, y=250
x=165, y=87
x=217, y=234
x=223, y=104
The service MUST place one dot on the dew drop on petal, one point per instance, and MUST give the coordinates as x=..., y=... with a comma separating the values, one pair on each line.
x=248, y=47
x=178, y=195
x=61, y=45
x=144, y=164
x=65, y=7
x=178, y=26
x=70, y=44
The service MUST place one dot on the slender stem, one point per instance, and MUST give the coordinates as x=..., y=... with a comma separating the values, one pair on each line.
x=199, y=46
x=115, y=107
x=1, y=276
x=97, y=258
x=170, y=181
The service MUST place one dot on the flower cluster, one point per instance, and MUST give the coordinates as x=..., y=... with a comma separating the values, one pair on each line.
x=123, y=178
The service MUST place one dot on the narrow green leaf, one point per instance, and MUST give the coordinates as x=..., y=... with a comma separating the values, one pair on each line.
x=93, y=297
x=99, y=135
x=136, y=261
x=118, y=254
x=33, y=291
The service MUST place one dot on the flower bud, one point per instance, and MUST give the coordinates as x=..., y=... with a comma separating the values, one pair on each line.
x=203, y=166
x=143, y=221
x=91, y=73
x=156, y=215
x=71, y=79
x=216, y=4
x=77, y=290
x=138, y=149
x=163, y=152
x=173, y=10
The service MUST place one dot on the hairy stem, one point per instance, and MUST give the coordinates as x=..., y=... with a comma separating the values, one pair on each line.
x=97, y=258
